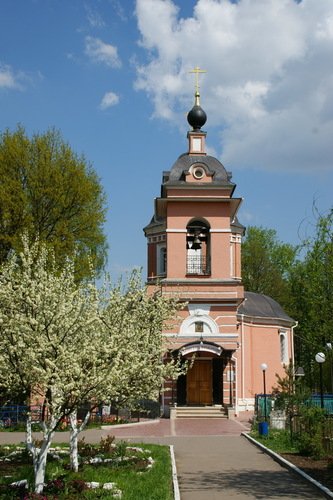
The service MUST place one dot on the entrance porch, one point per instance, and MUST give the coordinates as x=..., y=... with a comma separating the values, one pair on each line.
x=209, y=382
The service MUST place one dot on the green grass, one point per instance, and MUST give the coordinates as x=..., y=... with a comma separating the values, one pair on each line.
x=277, y=440
x=152, y=484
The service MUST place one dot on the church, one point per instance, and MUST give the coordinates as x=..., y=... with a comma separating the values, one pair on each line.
x=194, y=244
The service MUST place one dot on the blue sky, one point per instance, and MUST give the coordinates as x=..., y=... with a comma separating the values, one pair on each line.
x=113, y=77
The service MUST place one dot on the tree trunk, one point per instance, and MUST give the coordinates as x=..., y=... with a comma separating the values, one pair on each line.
x=39, y=455
x=40, y=467
x=73, y=440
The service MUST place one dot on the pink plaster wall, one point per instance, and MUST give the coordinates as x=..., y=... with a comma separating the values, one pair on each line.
x=261, y=344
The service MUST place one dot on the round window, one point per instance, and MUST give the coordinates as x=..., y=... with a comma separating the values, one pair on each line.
x=198, y=172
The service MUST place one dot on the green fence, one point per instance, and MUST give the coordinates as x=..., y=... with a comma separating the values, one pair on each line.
x=260, y=405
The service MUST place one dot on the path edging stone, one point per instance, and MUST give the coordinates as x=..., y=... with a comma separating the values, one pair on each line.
x=176, y=493
x=282, y=461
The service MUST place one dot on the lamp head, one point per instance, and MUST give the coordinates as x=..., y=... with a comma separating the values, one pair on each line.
x=320, y=357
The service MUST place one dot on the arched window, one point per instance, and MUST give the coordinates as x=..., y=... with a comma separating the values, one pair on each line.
x=161, y=260
x=283, y=347
x=198, y=248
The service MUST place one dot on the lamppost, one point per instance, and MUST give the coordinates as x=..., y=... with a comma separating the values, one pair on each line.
x=330, y=349
x=320, y=358
x=264, y=367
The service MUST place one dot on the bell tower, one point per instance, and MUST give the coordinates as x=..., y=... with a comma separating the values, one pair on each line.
x=194, y=252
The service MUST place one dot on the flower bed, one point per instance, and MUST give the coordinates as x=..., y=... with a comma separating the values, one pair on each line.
x=16, y=470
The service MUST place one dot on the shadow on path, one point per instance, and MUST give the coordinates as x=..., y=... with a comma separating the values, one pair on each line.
x=252, y=483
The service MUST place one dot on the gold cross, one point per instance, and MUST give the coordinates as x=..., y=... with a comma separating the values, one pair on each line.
x=197, y=71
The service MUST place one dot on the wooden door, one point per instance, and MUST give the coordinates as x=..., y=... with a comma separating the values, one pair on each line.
x=199, y=383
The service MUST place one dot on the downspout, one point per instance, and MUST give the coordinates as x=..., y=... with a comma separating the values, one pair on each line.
x=292, y=343
x=243, y=360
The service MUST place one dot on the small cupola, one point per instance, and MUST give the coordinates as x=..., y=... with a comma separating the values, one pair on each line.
x=196, y=117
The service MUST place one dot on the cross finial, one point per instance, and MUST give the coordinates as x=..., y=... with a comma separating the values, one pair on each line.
x=197, y=71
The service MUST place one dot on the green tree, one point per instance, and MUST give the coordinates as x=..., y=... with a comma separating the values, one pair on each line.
x=49, y=192
x=267, y=263
x=312, y=297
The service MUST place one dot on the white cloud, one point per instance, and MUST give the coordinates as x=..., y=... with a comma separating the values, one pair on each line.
x=119, y=10
x=100, y=52
x=8, y=80
x=109, y=99
x=269, y=81
x=94, y=18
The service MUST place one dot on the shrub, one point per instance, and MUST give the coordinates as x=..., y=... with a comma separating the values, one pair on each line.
x=106, y=445
x=310, y=435
x=55, y=486
x=86, y=449
x=121, y=449
x=77, y=486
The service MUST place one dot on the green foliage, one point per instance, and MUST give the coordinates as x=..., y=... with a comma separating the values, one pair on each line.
x=48, y=191
x=266, y=263
x=86, y=449
x=289, y=392
x=279, y=441
x=311, y=298
x=311, y=433
x=107, y=445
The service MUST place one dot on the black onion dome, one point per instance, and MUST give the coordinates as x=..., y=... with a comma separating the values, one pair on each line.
x=197, y=116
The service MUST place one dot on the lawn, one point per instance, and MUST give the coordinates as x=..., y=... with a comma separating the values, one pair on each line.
x=138, y=472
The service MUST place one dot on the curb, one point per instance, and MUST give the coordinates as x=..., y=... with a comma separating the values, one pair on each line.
x=124, y=426
x=176, y=493
x=282, y=461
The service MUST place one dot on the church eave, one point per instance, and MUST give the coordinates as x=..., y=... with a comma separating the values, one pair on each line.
x=161, y=203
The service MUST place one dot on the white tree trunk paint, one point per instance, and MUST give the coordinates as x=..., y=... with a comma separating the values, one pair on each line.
x=73, y=440
x=39, y=455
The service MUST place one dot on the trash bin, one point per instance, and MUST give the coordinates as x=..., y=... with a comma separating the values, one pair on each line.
x=263, y=428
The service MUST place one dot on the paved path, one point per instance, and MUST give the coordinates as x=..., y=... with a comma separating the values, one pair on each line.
x=213, y=460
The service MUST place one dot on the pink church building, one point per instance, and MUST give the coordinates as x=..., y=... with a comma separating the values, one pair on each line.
x=194, y=252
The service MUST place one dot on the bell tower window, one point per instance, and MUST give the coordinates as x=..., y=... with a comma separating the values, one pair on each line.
x=161, y=260
x=198, y=248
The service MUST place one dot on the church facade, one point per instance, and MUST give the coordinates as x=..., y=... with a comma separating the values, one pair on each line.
x=194, y=252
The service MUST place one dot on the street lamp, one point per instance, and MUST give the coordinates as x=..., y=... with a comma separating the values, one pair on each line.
x=320, y=358
x=330, y=349
x=300, y=372
x=264, y=367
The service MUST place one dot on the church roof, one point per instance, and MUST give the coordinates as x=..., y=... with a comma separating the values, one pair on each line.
x=258, y=305
x=214, y=167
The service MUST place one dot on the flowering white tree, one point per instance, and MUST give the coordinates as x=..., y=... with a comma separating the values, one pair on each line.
x=66, y=343
x=132, y=348
x=49, y=340
x=136, y=319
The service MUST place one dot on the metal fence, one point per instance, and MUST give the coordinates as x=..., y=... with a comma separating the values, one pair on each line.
x=260, y=405
x=14, y=415
x=315, y=400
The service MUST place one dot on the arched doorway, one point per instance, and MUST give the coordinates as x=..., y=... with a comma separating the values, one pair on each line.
x=206, y=382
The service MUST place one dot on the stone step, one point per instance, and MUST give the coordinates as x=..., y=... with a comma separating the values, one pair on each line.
x=200, y=412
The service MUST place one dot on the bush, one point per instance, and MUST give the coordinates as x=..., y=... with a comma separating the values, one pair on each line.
x=106, y=445
x=311, y=433
x=86, y=449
